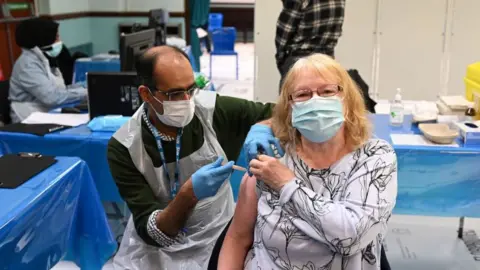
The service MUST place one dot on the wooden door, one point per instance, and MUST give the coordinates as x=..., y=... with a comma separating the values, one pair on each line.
x=9, y=51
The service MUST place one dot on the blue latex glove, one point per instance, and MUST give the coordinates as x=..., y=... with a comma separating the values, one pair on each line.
x=259, y=141
x=209, y=178
x=83, y=84
x=109, y=123
x=77, y=84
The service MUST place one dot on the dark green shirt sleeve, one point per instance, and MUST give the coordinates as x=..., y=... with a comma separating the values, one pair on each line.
x=232, y=120
x=133, y=188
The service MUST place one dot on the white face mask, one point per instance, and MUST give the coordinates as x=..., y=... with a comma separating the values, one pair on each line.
x=55, y=50
x=176, y=113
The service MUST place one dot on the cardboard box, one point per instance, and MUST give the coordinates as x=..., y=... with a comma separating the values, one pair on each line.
x=470, y=133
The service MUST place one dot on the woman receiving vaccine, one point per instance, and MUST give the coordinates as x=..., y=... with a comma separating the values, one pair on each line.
x=327, y=202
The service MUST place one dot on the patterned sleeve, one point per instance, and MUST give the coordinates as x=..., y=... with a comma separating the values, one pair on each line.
x=158, y=236
x=349, y=225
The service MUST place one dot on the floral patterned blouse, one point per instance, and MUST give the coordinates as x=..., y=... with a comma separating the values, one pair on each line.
x=327, y=219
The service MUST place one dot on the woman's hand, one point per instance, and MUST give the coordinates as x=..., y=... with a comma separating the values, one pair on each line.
x=271, y=172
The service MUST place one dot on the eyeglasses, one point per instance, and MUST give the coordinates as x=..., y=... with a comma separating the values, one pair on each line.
x=328, y=90
x=176, y=95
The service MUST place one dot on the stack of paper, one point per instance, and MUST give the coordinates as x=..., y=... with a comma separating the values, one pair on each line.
x=452, y=105
x=455, y=102
x=416, y=140
x=66, y=119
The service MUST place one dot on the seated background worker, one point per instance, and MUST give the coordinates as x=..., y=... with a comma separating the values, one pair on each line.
x=178, y=215
x=36, y=84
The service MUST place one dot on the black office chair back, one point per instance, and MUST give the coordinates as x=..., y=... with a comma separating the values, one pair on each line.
x=363, y=87
x=4, y=102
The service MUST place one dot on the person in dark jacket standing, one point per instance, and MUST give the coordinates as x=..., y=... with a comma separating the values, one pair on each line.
x=305, y=27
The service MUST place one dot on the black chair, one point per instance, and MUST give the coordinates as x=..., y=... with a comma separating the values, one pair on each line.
x=66, y=63
x=4, y=102
x=369, y=102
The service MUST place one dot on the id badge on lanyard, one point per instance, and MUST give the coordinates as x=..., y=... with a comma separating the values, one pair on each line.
x=175, y=184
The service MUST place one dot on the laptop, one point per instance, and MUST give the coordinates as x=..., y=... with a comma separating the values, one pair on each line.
x=112, y=93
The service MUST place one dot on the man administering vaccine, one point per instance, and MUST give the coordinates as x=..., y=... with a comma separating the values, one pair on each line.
x=172, y=162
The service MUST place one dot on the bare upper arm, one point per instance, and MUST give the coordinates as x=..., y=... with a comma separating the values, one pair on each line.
x=246, y=210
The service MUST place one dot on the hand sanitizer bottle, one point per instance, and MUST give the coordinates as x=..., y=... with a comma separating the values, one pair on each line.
x=396, y=110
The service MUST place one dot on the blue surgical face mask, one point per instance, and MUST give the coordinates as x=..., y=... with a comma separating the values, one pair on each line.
x=55, y=50
x=318, y=119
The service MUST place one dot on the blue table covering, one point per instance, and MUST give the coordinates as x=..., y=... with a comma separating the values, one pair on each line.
x=84, y=65
x=76, y=142
x=56, y=212
x=437, y=181
x=433, y=180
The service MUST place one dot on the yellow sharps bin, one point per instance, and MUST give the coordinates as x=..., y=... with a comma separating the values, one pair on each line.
x=472, y=86
x=472, y=81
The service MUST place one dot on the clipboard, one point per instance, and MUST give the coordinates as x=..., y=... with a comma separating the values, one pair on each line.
x=16, y=169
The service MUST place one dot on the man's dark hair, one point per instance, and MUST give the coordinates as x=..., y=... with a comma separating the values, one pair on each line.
x=145, y=66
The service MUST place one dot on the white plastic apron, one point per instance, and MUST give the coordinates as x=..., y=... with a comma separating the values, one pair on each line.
x=208, y=218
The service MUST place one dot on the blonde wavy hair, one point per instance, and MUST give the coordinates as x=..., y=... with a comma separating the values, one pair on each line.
x=357, y=126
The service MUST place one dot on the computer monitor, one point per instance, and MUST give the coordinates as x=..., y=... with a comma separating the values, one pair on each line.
x=112, y=93
x=134, y=44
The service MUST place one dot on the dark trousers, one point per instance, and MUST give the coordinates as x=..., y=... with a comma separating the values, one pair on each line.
x=212, y=265
x=285, y=67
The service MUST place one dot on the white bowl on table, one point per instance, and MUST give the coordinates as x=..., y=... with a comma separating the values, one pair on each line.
x=438, y=133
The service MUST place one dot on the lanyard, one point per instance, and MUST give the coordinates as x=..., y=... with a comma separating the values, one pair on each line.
x=175, y=185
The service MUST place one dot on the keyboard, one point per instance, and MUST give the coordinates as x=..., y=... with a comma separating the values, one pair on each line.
x=82, y=106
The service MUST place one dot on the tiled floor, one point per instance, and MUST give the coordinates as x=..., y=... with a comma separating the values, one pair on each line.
x=225, y=83
x=223, y=72
x=446, y=226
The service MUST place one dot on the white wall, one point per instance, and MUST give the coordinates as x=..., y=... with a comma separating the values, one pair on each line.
x=464, y=46
x=70, y=6
x=411, y=48
x=267, y=77
x=42, y=6
x=422, y=46
x=108, y=5
x=142, y=5
x=103, y=31
x=354, y=49
x=62, y=6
